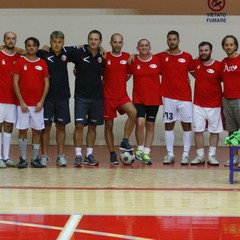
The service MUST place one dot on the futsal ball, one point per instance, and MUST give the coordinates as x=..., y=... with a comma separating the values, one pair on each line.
x=127, y=158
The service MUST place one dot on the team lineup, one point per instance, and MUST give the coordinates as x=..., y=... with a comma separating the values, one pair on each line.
x=35, y=93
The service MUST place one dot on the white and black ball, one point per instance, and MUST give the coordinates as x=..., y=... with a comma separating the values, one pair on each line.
x=127, y=157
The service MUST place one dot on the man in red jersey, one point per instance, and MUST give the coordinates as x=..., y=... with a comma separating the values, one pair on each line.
x=207, y=103
x=177, y=97
x=31, y=84
x=146, y=98
x=231, y=83
x=8, y=109
x=115, y=95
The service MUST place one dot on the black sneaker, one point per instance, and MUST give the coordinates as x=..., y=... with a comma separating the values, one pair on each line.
x=78, y=161
x=125, y=146
x=113, y=159
x=90, y=160
x=22, y=163
x=36, y=163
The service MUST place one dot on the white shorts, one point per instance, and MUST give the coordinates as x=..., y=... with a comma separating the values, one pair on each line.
x=174, y=110
x=212, y=116
x=30, y=119
x=8, y=113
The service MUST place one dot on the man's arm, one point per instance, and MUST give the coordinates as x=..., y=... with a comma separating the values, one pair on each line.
x=40, y=104
x=17, y=91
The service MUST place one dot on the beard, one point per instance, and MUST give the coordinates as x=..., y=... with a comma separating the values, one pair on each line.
x=9, y=47
x=206, y=58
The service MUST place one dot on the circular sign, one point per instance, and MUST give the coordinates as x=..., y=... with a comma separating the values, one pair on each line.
x=216, y=5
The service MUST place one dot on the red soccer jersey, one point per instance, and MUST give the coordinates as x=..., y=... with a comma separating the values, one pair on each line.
x=175, y=79
x=231, y=77
x=208, y=90
x=7, y=61
x=115, y=75
x=31, y=79
x=146, y=81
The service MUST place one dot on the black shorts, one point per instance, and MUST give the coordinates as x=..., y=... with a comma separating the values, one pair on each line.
x=147, y=112
x=57, y=111
x=88, y=111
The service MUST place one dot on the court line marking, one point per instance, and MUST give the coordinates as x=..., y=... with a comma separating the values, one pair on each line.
x=123, y=189
x=69, y=227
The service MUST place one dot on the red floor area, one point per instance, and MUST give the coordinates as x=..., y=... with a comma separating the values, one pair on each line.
x=48, y=227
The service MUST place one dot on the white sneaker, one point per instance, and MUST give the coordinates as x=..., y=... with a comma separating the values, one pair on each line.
x=198, y=160
x=212, y=160
x=61, y=160
x=10, y=163
x=184, y=160
x=44, y=160
x=168, y=159
x=2, y=164
x=235, y=161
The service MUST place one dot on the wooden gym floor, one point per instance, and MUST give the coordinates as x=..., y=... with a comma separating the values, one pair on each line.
x=166, y=202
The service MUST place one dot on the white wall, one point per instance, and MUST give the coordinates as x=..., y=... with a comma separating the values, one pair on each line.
x=77, y=23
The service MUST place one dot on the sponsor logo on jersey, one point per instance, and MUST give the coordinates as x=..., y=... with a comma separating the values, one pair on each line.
x=38, y=68
x=198, y=67
x=64, y=58
x=166, y=59
x=25, y=67
x=153, y=66
x=3, y=62
x=123, y=62
x=109, y=62
x=181, y=60
x=99, y=60
x=138, y=66
x=210, y=70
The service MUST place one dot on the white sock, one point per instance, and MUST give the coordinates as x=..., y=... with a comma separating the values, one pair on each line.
x=23, y=148
x=169, y=140
x=89, y=151
x=141, y=148
x=200, y=152
x=78, y=151
x=35, y=150
x=146, y=150
x=212, y=151
x=6, y=145
x=187, y=143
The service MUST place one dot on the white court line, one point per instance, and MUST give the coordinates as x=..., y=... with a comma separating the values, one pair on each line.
x=70, y=227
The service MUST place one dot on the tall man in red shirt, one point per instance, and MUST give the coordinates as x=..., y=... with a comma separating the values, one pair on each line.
x=8, y=109
x=207, y=103
x=177, y=97
x=31, y=84
x=146, y=98
x=231, y=83
x=115, y=95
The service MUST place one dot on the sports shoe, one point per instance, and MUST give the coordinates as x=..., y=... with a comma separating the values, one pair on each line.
x=198, y=160
x=125, y=146
x=168, y=159
x=22, y=163
x=2, y=164
x=44, y=160
x=90, y=160
x=36, y=163
x=146, y=159
x=61, y=160
x=139, y=154
x=235, y=161
x=184, y=160
x=10, y=163
x=212, y=160
x=113, y=159
x=78, y=161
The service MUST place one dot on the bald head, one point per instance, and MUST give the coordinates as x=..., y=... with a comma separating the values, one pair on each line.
x=10, y=39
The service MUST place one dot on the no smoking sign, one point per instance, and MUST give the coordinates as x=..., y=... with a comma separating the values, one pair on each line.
x=216, y=5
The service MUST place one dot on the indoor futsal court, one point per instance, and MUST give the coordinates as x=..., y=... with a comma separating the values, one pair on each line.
x=166, y=202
